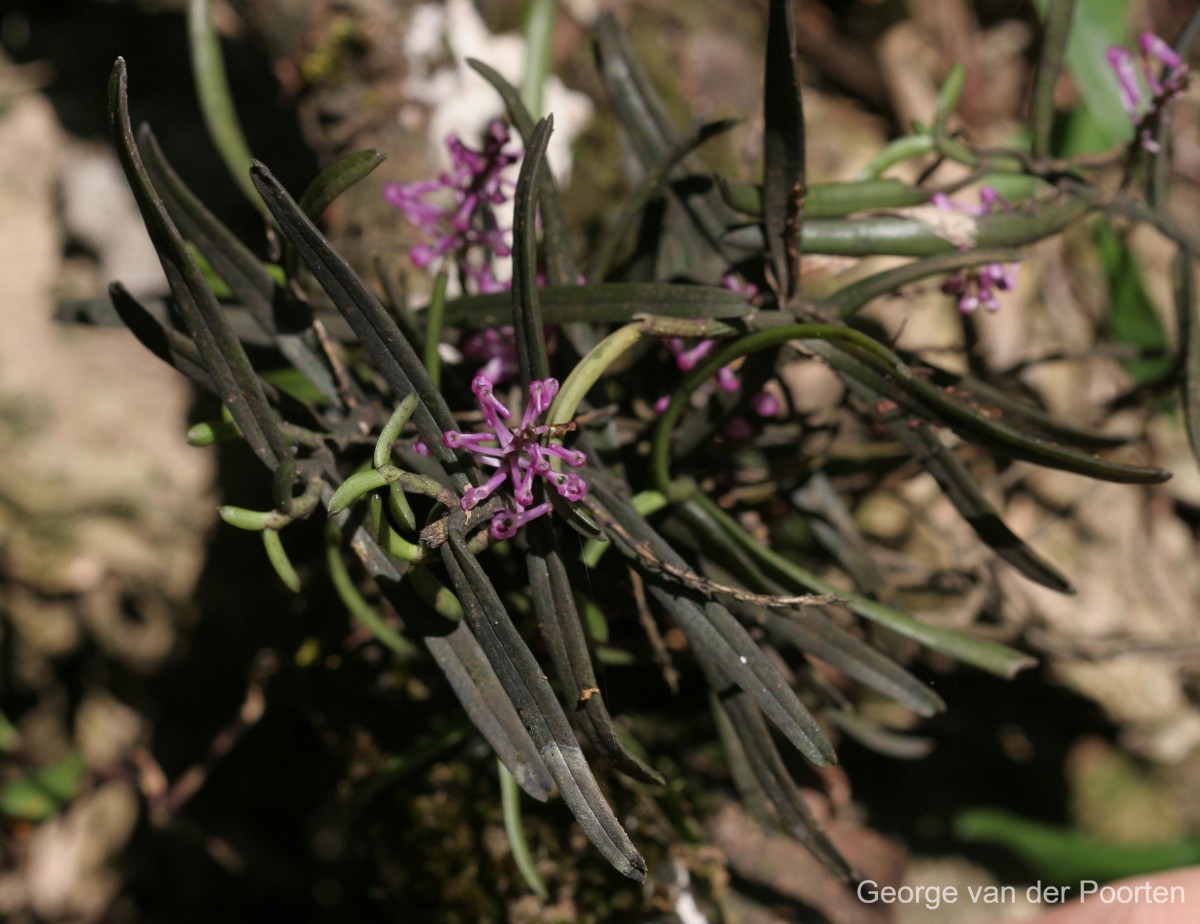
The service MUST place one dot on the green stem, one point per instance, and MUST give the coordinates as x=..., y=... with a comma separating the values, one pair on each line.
x=360, y=610
x=896, y=152
x=510, y=799
x=277, y=555
x=587, y=373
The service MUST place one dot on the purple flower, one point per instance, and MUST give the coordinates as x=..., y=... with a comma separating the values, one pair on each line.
x=688, y=358
x=1147, y=83
x=518, y=456
x=496, y=348
x=456, y=212
x=978, y=286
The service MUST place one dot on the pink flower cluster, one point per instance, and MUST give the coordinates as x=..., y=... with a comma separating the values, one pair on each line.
x=1148, y=83
x=688, y=358
x=456, y=212
x=978, y=286
x=517, y=455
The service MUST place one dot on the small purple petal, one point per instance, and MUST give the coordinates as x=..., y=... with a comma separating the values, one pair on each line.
x=1122, y=64
x=1157, y=48
x=765, y=404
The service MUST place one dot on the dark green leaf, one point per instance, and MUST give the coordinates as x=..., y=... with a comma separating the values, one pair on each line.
x=777, y=784
x=391, y=353
x=459, y=656
x=558, y=618
x=783, y=150
x=926, y=447
x=526, y=313
x=172, y=347
x=711, y=627
x=526, y=686
x=651, y=185
x=224, y=358
x=250, y=282
x=643, y=116
x=984, y=654
x=847, y=300
x=605, y=303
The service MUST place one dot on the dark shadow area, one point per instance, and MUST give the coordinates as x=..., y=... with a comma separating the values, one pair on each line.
x=1001, y=743
x=80, y=39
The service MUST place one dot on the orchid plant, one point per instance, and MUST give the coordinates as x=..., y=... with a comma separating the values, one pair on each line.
x=462, y=530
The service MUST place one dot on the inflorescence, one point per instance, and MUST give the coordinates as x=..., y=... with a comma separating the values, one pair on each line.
x=457, y=211
x=518, y=456
x=977, y=286
x=1148, y=84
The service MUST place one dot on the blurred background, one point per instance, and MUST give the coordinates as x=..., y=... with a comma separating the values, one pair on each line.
x=181, y=739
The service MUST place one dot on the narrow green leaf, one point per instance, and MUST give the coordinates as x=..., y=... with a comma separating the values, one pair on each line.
x=651, y=185
x=216, y=102
x=458, y=654
x=852, y=353
x=846, y=301
x=643, y=116
x=254, y=285
x=225, y=359
x=996, y=402
x=928, y=450
x=391, y=353
x=558, y=619
x=605, y=303
x=783, y=150
x=711, y=627
x=560, y=264
x=986, y=655
x=526, y=686
x=779, y=787
x=510, y=800
x=818, y=636
x=526, y=311
x=336, y=179
x=172, y=347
